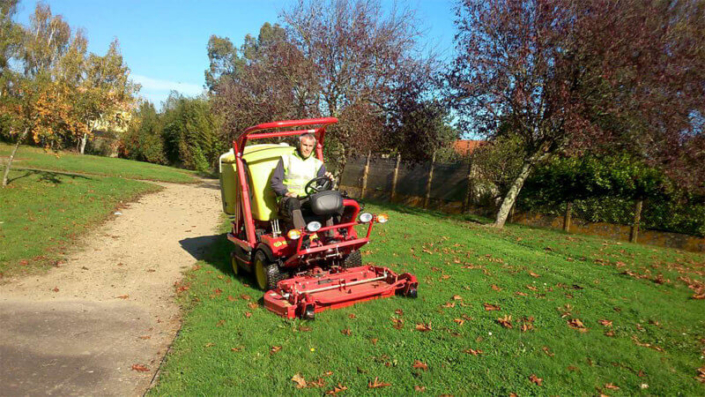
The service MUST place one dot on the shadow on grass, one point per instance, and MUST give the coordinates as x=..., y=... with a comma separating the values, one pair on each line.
x=405, y=209
x=49, y=176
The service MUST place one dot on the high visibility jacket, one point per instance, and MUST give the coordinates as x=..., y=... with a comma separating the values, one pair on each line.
x=299, y=171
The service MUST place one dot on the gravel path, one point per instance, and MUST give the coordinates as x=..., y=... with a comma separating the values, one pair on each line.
x=80, y=329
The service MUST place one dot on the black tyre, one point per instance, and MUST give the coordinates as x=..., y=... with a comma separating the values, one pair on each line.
x=353, y=260
x=309, y=313
x=267, y=273
x=233, y=263
x=412, y=293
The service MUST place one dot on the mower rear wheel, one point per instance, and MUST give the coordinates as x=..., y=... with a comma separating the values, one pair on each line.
x=267, y=273
x=233, y=263
x=353, y=260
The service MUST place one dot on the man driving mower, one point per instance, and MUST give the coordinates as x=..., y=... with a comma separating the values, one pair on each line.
x=291, y=175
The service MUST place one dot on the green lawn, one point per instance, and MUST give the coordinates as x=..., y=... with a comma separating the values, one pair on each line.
x=41, y=213
x=651, y=342
x=32, y=157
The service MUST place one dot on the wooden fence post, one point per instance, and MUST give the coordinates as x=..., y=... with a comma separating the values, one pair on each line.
x=634, y=232
x=394, y=179
x=468, y=193
x=428, y=183
x=364, y=175
x=568, y=216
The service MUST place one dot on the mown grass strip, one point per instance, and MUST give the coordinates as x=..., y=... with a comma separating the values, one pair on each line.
x=42, y=213
x=638, y=334
x=31, y=157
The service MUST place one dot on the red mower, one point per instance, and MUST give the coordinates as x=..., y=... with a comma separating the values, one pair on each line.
x=308, y=270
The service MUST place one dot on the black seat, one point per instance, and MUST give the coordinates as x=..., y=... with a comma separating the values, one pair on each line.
x=327, y=203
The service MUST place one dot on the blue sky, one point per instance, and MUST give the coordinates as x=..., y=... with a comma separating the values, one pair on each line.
x=164, y=42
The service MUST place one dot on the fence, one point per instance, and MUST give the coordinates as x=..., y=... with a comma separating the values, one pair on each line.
x=455, y=188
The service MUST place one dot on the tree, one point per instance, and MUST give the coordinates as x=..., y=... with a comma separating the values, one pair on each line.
x=571, y=76
x=359, y=54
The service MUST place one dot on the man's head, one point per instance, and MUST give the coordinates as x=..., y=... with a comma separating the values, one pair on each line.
x=306, y=144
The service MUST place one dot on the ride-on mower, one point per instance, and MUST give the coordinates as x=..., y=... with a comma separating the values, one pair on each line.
x=307, y=270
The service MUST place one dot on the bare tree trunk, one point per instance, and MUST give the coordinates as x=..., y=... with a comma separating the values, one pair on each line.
x=427, y=199
x=364, y=175
x=394, y=179
x=510, y=198
x=12, y=156
x=634, y=232
x=568, y=216
x=84, y=140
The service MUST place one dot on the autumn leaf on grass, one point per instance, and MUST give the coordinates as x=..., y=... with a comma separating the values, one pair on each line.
x=496, y=288
x=473, y=352
x=398, y=323
x=377, y=384
x=299, y=380
x=337, y=389
x=420, y=389
x=611, y=386
x=248, y=314
x=532, y=288
x=490, y=307
x=220, y=323
x=304, y=329
x=218, y=291
x=399, y=312
x=237, y=349
x=547, y=351
x=535, y=379
x=459, y=321
x=419, y=365
x=275, y=349
x=506, y=321
x=532, y=274
x=423, y=327
x=352, y=316
x=123, y=296
x=577, y=324
x=245, y=297
x=253, y=305
x=701, y=375
x=139, y=368
x=449, y=305
x=231, y=298
x=521, y=293
x=609, y=334
x=456, y=298
x=209, y=344
x=649, y=345
x=346, y=332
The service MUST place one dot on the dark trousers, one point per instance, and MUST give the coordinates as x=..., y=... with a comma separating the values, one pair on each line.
x=290, y=211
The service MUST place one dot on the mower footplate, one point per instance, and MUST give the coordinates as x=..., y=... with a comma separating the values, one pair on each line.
x=302, y=296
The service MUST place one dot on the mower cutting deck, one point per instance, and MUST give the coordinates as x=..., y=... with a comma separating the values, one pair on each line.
x=303, y=296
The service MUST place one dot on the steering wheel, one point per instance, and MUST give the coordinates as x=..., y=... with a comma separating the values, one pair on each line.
x=316, y=185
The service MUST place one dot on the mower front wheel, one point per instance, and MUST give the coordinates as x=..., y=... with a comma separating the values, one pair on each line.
x=267, y=273
x=353, y=260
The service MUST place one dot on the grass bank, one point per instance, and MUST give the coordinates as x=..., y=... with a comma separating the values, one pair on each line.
x=42, y=213
x=32, y=157
x=520, y=310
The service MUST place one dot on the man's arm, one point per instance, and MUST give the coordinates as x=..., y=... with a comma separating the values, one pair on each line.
x=277, y=181
x=322, y=172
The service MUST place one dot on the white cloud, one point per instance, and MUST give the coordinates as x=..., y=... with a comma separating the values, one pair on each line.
x=155, y=86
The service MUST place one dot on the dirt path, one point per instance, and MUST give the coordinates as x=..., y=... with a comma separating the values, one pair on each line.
x=79, y=329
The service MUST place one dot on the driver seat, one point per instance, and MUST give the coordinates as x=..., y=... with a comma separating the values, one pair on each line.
x=327, y=203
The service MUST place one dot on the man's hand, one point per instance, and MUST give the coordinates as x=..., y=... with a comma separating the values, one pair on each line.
x=329, y=176
x=290, y=194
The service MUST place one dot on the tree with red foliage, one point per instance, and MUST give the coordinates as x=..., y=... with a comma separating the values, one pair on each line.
x=590, y=75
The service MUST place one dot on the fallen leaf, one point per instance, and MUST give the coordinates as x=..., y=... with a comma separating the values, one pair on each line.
x=459, y=321
x=449, y=305
x=572, y=368
x=611, y=386
x=337, y=389
x=423, y=327
x=473, y=352
x=532, y=288
x=532, y=274
x=299, y=380
x=606, y=323
x=399, y=312
x=123, y=296
x=220, y=323
x=496, y=288
x=457, y=298
x=419, y=365
x=145, y=337
x=420, y=389
x=253, y=305
x=377, y=384
x=547, y=351
x=398, y=323
x=218, y=291
x=577, y=324
x=351, y=315
x=535, y=379
x=248, y=314
x=231, y=298
x=245, y=297
x=304, y=329
x=237, y=349
x=209, y=344
x=609, y=334
x=56, y=289
x=346, y=332
x=506, y=321
x=275, y=349
x=374, y=341
x=139, y=368
x=521, y=293
x=490, y=307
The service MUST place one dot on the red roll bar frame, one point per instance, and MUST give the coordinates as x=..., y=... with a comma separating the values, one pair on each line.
x=251, y=134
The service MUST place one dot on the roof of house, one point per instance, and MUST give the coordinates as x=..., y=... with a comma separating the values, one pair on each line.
x=465, y=147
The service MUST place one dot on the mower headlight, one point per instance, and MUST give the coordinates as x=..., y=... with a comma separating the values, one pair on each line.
x=313, y=226
x=365, y=217
x=382, y=218
x=294, y=234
